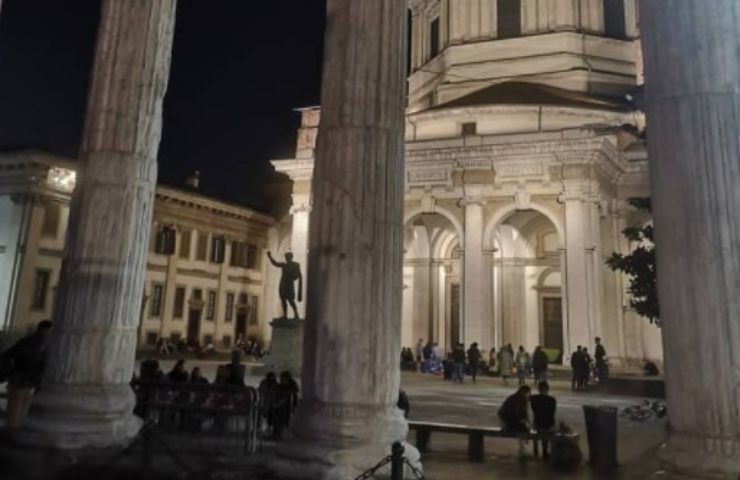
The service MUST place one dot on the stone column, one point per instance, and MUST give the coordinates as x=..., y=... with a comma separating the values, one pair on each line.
x=348, y=418
x=577, y=322
x=475, y=285
x=86, y=400
x=301, y=212
x=693, y=93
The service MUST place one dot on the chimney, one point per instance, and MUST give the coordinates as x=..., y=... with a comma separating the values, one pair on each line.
x=194, y=180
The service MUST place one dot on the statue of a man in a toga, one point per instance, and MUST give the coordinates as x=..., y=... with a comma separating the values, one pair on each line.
x=291, y=272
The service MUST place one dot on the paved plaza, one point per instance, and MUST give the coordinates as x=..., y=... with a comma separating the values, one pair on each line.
x=437, y=400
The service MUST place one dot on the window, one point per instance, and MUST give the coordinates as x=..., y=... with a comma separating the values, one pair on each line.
x=50, y=227
x=434, y=38
x=202, y=247
x=217, y=249
x=509, y=18
x=151, y=338
x=41, y=289
x=252, y=310
x=185, y=241
x=229, y=314
x=211, y=306
x=614, y=19
x=226, y=341
x=156, y=305
x=175, y=337
x=253, y=258
x=197, y=294
x=242, y=299
x=239, y=254
x=179, y=309
x=469, y=128
x=165, y=241
x=207, y=339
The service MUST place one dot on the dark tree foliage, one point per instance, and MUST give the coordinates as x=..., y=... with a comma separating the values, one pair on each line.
x=639, y=265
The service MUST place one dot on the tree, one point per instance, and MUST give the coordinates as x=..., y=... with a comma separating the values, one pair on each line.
x=639, y=265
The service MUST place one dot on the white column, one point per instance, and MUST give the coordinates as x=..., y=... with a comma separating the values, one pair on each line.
x=578, y=324
x=348, y=418
x=86, y=400
x=301, y=211
x=475, y=277
x=693, y=93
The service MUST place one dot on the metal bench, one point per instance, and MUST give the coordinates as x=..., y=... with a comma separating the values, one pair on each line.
x=476, y=436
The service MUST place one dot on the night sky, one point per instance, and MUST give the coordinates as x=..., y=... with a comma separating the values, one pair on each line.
x=239, y=68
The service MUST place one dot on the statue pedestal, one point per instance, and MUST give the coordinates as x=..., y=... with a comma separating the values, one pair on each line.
x=286, y=350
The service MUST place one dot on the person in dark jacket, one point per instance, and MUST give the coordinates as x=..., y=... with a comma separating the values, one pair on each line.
x=458, y=363
x=197, y=378
x=27, y=362
x=543, y=410
x=514, y=414
x=178, y=374
x=539, y=365
x=576, y=360
x=474, y=358
x=600, y=368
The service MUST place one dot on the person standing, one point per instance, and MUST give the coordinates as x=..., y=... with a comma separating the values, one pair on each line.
x=492, y=362
x=474, y=358
x=543, y=410
x=505, y=360
x=419, y=352
x=458, y=363
x=539, y=364
x=600, y=358
x=585, y=368
x=522, y=362
x=27, y=359
x=575, y=366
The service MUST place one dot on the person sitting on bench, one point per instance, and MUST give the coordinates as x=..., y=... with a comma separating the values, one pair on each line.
x=543, y=408
x=514, y=415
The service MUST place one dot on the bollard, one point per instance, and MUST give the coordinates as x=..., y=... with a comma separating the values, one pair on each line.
x=397, y=461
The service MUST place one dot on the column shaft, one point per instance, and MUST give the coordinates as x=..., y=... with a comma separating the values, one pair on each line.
x=475, y=285
x=578, y=328
x=351, y=380
x=86, y=400
x=693, y=92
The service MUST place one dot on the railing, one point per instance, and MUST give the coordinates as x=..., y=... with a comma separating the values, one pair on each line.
x=398, y=461
x=205, y=418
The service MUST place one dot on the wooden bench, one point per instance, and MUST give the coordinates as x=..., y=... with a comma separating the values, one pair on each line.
x=476, y=436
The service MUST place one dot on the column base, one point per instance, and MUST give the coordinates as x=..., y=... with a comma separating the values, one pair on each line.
x=699, y=457
x=333, y=442
x=77, y=417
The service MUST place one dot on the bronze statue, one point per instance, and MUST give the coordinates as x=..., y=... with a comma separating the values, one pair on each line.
x=291, y=272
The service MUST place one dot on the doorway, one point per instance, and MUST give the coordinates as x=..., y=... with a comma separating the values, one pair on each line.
x=241, y=325
x=552, y=323
x=193, y=327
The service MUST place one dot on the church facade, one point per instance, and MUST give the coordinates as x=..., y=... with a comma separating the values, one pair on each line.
x=523, y=148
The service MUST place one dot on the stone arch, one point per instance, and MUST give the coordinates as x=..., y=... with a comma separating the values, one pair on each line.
x=501, y=214
x=418, y=210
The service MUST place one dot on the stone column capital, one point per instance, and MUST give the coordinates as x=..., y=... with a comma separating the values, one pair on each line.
x=300, y=208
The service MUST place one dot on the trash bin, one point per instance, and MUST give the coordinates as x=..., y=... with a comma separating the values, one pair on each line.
x=601, y=429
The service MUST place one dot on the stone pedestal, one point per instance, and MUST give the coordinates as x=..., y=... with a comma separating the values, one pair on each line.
x=286, y=347
x=86, y=400
x=693, y=112
x=348, y=418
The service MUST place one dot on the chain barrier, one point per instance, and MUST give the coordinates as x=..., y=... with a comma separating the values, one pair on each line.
x=397, y=461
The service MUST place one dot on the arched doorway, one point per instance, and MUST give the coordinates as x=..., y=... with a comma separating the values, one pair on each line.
x=432, y=275
x=527, y=282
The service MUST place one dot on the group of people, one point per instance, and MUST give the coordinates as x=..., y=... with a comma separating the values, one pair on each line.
x=582, y=364
x=520, y=364
x=250, y=347
x=165, y=348
x=278, y=401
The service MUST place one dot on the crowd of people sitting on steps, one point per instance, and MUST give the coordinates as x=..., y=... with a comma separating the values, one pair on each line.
x=250, y=347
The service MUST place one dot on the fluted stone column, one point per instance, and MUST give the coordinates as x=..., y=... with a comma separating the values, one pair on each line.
x=86, y=400
x=475, y=277
x=693, y=94
x=348, y=418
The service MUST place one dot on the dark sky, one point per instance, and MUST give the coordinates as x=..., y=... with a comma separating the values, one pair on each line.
x=239, y=68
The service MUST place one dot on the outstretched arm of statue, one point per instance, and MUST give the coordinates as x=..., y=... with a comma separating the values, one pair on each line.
x=300, y=287
x=272, y=260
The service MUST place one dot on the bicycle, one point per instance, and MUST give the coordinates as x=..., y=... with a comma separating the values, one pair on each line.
x=644, y=411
